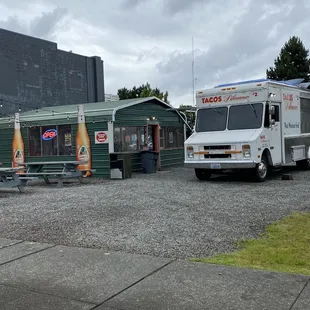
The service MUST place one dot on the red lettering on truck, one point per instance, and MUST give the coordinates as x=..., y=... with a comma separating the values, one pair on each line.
x=288, y=99
x=236, y=98
x=211, y=99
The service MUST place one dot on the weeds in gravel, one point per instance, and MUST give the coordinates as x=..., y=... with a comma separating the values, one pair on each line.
x=284, y=247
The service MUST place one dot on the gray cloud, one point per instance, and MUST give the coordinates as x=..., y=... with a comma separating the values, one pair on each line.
x=131, y=4
x=44, y=25
x=170, y=6
x=234, y=39
x=147, y=21
x=177, y=6
x=13, y=24
x=249, y=41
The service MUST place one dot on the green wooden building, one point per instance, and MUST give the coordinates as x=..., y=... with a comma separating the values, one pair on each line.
x=116, y=127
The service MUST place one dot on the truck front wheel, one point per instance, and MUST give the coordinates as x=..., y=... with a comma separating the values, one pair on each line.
x=261, y=170
x=203, y=174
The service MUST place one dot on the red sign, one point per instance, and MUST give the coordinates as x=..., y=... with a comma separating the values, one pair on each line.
x=228, y=98
x=211, y=99
x=288, y=97
x=236, y=98
x=49, y=134
x=101, y=137
x=289, y=100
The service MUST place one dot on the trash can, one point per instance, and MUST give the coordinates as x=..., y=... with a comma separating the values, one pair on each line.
x=149, y=161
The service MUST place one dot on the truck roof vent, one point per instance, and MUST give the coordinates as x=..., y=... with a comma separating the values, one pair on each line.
x=291, y=82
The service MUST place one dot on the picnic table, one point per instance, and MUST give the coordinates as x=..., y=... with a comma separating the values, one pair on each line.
x=54, y=169
x=9, y=179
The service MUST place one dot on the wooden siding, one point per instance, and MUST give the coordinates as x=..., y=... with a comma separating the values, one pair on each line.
x=100, y=152
x=168, y=158
x=6, y=138
x=173, y=157
x=136, y=162
x=137, y=115
x=132, y=116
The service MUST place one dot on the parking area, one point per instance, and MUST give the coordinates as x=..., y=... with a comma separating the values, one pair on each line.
x=167, y=214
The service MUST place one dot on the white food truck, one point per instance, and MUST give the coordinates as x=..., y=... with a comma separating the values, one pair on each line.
x=256, y=125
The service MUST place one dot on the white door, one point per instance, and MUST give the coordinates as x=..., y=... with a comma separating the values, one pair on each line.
x=275, y=135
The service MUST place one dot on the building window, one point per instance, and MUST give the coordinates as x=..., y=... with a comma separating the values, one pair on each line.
x=49, y=147
x=128, y=139
x=64, y=140
x=162, y=139
x=133, y=139
x=61, y=144
x=173, y=137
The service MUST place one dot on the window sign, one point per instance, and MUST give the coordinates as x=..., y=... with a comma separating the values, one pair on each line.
x=101, y=137
x=49, y=134
x=170, y=137
x=68, y=139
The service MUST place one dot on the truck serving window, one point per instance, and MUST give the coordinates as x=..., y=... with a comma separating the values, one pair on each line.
x=211, y=119
x=247, y=116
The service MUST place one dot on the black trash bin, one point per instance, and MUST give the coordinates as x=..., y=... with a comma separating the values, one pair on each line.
x=149, y=161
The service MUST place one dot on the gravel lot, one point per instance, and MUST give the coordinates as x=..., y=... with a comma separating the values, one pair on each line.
x=168, y=214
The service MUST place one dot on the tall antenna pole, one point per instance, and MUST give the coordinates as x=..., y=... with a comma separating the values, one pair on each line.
x=193, y=70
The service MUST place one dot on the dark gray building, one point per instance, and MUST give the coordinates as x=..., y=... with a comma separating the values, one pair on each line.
x=35, y=74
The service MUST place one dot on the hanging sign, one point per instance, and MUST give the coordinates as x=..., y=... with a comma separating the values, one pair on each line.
x=68, y=139
x=101, y=137
x=49, y=134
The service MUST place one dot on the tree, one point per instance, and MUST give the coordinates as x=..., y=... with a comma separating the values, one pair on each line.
x=142, y=91
x=292, y=62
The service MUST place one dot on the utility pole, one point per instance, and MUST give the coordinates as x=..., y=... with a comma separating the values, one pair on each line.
x=193, y=70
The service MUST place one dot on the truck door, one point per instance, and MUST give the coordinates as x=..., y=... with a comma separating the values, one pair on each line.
x=275, y=137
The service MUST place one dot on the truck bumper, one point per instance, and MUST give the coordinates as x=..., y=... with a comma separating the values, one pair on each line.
x=221, y=165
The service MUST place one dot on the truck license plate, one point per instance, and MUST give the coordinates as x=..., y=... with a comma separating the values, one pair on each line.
x=215, y=166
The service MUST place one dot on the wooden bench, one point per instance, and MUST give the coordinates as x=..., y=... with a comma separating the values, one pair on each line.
x=10, y=179
x=46, y=173
x=24, y=178
x=60, y=175
x=55, y=169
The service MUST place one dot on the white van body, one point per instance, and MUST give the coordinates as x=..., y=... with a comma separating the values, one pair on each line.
x=254, y=125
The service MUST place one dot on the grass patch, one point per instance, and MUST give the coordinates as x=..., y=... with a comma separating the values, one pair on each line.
x=284, y=247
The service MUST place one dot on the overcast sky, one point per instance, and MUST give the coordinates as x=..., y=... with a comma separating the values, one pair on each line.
x=151, y=40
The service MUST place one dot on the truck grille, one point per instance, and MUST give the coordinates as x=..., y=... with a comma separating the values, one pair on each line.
x=218, y=150
x=217, y=147
x=217, y=156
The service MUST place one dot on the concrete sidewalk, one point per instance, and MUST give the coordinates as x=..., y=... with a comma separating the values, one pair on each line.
x=45, y=276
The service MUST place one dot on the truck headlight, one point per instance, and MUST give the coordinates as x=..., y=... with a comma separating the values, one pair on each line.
x=190, y=152
x=246, y=150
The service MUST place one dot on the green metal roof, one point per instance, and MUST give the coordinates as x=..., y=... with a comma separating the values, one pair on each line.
x=107, y=109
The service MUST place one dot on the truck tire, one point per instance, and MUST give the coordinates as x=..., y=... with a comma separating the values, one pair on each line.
x=203, y=174
x=303, y=164
x=261, y=170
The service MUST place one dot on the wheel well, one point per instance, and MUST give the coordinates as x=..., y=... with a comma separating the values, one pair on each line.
x=266, y=153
